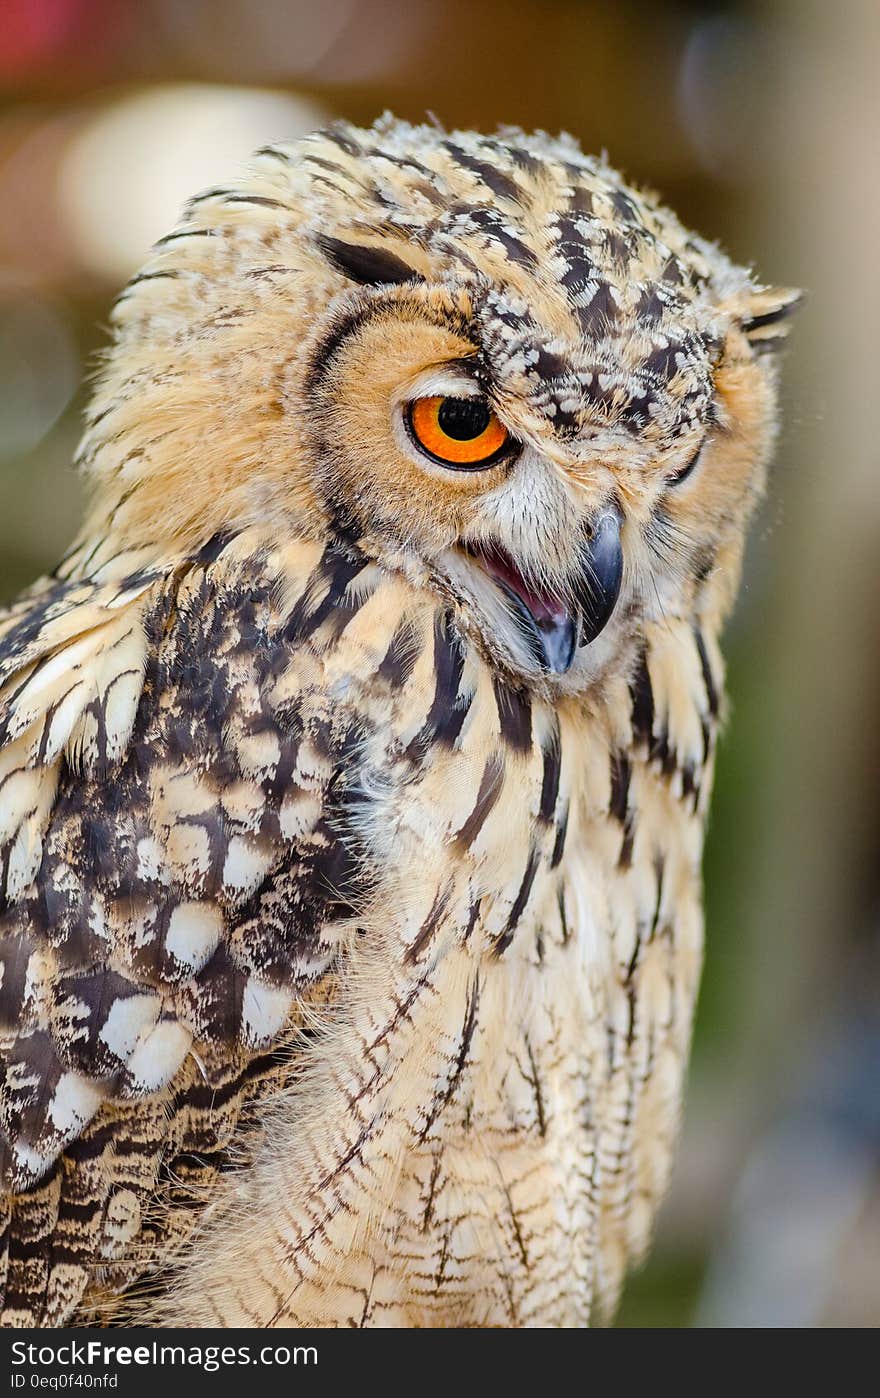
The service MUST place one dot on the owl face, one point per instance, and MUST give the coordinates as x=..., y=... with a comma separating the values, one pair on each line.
x=504, y=372
x=463, y=492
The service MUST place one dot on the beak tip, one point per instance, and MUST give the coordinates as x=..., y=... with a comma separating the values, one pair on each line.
x=559, y=644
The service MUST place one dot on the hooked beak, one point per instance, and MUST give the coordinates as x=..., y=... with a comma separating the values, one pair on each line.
x=552, y=628
x=600, y=576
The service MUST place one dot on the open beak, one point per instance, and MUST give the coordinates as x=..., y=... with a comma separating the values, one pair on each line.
x=552, y=628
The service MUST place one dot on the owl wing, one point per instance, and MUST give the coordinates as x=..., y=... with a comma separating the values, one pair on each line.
x=177, y=866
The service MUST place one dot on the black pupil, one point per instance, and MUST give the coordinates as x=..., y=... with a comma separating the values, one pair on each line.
x=464, y=418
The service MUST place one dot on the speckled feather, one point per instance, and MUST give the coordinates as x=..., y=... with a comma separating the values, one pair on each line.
x=348, y=958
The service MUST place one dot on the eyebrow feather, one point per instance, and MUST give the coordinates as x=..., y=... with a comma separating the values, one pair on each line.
x=367, y=264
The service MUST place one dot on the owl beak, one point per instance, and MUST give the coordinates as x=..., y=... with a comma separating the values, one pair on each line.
x=551, y=628
x=546, y=625
x=557, y=632
x=600, y=576
x=551, y=633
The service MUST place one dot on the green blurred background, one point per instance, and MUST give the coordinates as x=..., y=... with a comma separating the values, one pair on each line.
x=760, y=125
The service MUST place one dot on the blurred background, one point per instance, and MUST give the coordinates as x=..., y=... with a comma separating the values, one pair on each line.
x=759, y=123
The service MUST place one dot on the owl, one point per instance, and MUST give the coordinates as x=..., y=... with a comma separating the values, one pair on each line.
x=354, y=763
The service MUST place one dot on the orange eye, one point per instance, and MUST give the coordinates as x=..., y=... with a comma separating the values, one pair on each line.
x=462, y=432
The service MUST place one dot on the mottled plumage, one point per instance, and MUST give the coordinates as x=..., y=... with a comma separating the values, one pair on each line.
x=351, y=805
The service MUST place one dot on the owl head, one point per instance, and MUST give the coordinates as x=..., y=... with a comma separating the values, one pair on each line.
x=488, y=361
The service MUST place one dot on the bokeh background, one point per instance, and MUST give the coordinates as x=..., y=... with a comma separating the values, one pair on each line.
x=760, y=124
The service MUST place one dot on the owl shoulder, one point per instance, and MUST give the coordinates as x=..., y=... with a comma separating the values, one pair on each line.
x=179, y=866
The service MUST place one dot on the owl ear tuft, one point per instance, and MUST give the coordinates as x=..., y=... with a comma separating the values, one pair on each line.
x=764, y=314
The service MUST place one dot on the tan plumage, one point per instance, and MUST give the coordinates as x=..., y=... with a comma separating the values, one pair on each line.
x=351, y=805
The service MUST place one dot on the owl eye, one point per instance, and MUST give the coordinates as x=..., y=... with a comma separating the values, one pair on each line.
x=688, y=467
x=460, y=432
